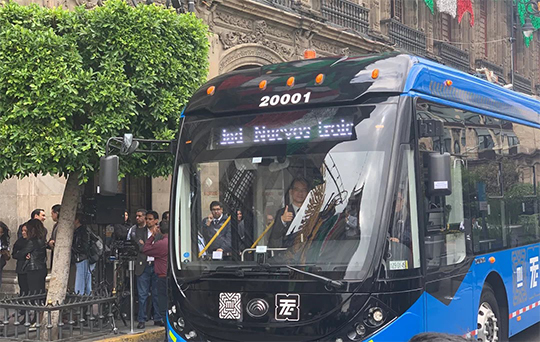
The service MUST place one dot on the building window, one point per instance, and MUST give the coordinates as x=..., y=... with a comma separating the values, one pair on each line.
x=446, y=27
x=484, y=25
x=397, y=10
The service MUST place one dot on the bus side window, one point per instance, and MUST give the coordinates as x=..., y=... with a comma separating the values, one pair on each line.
x=446, y=225
x=403, y=250
x=445, y=220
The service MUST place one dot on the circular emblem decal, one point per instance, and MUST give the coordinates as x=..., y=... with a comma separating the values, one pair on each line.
x=257, y=308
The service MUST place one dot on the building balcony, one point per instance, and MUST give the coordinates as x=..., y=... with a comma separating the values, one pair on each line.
x=522, y=84
x=284, y=4
x=346, y=14
x=453, y=56
x=406, y=38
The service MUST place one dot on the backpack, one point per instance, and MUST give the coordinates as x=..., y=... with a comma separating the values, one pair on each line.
x=95, y=247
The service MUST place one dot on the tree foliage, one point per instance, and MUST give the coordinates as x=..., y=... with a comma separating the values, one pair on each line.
x=69, y=80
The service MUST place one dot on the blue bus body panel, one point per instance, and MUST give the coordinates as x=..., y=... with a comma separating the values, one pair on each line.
x=518, y=269
x=523, y=295
x=429, y=78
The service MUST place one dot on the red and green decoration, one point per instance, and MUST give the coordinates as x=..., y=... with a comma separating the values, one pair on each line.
x=455, y=8
x=523, y=14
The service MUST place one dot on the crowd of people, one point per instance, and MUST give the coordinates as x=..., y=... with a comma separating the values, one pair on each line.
x=30, y=252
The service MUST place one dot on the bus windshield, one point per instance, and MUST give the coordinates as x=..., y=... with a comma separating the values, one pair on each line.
x=299, y=188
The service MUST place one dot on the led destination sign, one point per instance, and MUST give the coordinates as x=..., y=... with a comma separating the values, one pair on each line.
x=299, y=131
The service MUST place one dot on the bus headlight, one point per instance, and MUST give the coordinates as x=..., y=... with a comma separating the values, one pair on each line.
x=360, y=329
x=181, y=324
x=358, y=333
x=191, y=334
x=376, y=316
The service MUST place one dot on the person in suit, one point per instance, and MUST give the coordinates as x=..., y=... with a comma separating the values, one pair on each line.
x=210, y=227
x=298, y=192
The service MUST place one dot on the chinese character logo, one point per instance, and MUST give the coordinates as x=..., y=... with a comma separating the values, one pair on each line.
x=230, y=306
x=287, y=307
x=534, y=271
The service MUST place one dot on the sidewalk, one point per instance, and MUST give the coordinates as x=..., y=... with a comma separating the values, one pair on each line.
x=151, y=334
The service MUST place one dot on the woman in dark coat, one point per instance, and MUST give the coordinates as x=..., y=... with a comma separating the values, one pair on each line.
x=4, y=248
x=20, y=256
x=36, y=254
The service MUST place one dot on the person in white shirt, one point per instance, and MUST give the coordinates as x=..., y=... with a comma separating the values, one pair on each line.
x=144, y=266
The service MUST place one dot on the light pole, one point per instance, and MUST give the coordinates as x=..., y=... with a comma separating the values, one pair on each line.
x=512, y=43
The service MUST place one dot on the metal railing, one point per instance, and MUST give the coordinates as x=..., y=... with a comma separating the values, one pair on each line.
x=346, y=14
x=522, y=84
x=406, y=38
x=282, y=3
x=88, y=315
x=453, y=56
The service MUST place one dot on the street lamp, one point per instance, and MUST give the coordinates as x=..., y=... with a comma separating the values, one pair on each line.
x=528, y=28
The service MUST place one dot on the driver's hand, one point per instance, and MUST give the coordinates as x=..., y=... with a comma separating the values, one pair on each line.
x=287, y=215
x=394, y=239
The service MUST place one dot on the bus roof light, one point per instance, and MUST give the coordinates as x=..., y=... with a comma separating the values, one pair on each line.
x=448, y=83
x=262, y=85
x=319, y=79
x=375, y=74
x=309, y=54
x=211, y=90
x=290, y=81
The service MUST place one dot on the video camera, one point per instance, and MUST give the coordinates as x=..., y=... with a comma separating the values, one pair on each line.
x=123, y=250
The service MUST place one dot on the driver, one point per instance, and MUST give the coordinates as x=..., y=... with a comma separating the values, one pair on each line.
x=298, y=192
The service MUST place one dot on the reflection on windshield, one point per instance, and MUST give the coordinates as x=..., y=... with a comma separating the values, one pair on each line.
x=315, y=206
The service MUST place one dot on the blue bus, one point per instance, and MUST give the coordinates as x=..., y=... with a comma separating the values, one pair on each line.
x=366, y=198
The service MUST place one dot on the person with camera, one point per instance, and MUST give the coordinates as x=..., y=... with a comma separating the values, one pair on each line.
x=79, y=256
x=4, y=248
x=157, y=246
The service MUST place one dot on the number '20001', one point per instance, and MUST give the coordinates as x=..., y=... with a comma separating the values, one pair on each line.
x=284, y=99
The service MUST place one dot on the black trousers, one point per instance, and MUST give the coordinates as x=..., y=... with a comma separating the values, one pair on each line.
x=36, y=280
x=22, y=278
x=162, y=297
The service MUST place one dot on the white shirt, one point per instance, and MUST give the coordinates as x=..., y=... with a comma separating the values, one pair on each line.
x=149, y=233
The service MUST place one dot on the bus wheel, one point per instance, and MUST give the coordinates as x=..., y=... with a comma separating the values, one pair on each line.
x=489, y=318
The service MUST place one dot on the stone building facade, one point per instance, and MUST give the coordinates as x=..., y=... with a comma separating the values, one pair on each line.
x=246, y=33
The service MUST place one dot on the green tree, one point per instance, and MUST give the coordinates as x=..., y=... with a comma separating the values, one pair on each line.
x=69, y=80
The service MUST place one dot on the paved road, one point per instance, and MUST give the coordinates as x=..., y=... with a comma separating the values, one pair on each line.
x=530, y=335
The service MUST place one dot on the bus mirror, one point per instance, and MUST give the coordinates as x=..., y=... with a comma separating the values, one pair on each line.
x=439, y=174
x=108, y=175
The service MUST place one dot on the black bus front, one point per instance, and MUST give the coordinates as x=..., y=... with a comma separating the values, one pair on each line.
x=281, y=215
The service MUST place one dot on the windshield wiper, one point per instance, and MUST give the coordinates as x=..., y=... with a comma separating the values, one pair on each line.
x=327, y=281
x=239, y=273
x=267, y=267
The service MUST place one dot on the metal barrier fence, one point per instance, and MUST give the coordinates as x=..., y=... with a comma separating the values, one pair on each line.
x=79, y=315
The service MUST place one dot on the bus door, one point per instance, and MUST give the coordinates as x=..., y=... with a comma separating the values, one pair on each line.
x=447, y=257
